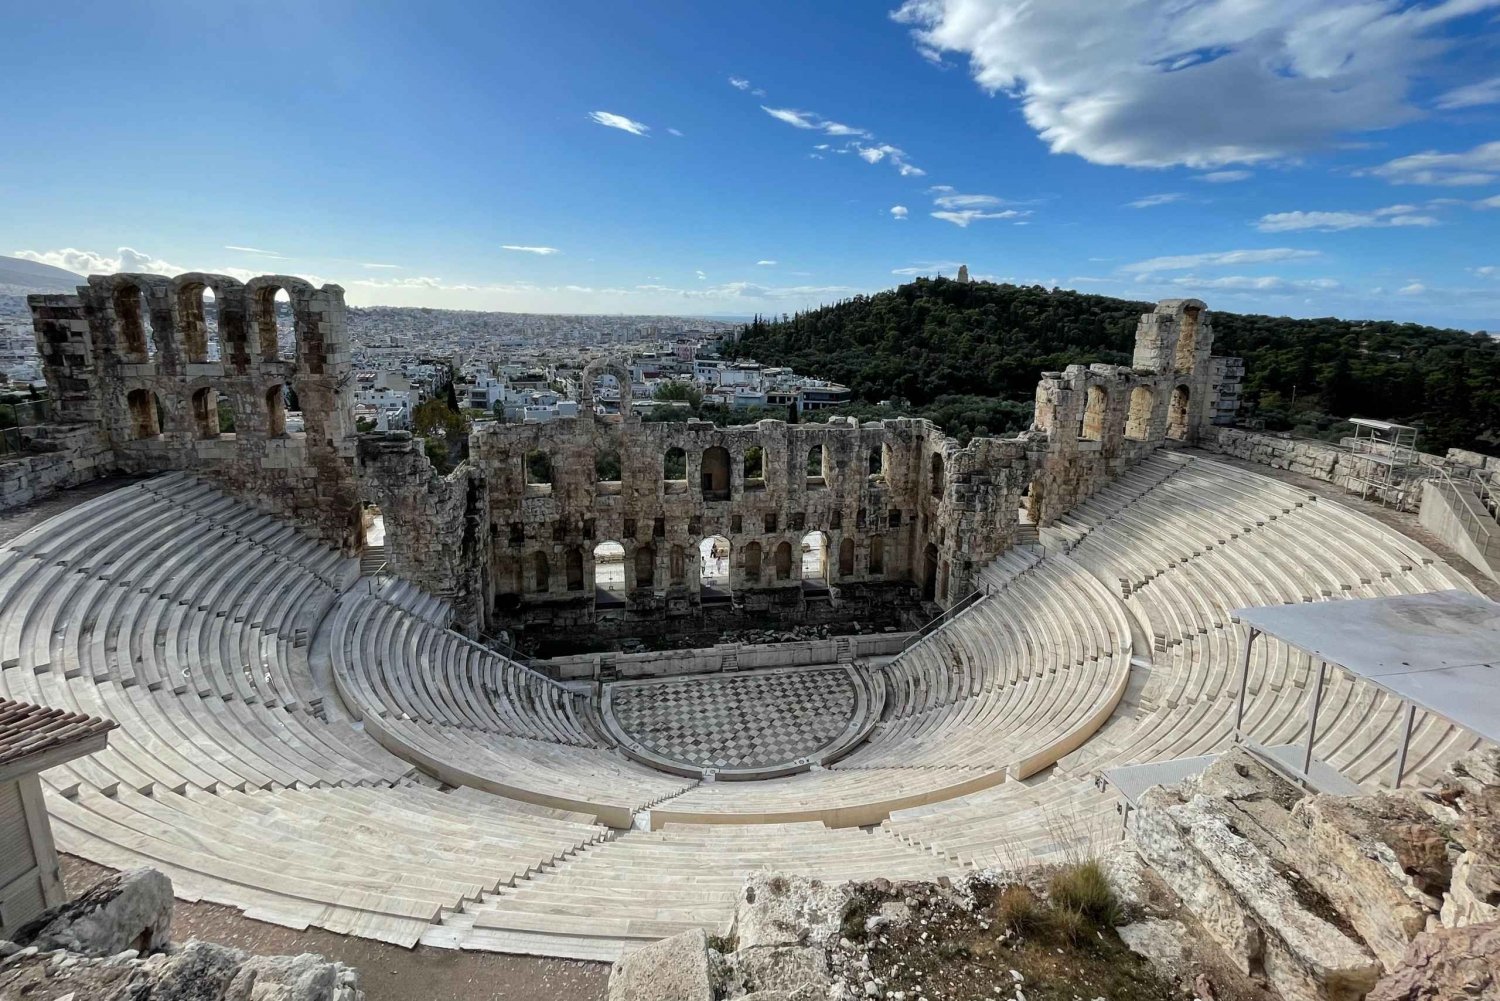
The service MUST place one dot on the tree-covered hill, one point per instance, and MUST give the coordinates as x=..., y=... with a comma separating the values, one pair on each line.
x=938, y=340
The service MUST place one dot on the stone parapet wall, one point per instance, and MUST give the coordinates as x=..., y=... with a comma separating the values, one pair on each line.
x=57, y=457
x=726, y=656
x=1320, y=460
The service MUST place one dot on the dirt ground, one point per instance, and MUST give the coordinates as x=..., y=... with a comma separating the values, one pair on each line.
x=386, y=972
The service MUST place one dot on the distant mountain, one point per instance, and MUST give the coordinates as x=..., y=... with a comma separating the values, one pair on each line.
x=19, y=277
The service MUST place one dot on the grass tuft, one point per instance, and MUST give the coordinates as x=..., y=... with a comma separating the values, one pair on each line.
x=1084, y=889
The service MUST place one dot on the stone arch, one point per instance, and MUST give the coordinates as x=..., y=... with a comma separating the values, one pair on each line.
x=573, y=568
x=875, y=461
x=260, y=298
x=536, y=471
x=1179, y=414
x=205, y=405
x=1138, y=418
x=715, y=557
x=1091, y=426
x=714, y=473
x=609, y=572
x=139, y=330
x=674, y=465
x=145, y=413
x=276, y=411
x=814, y=564
x=604, y=366
x=196, y=337
x=752, y=563
x=935, y=477
x=877, y=556
x=846, y=557
x=607, y=468
x=782, y=560
x=815, y=472
x=753, y=468
x=541, y=572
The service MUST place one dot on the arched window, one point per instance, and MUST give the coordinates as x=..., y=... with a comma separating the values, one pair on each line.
x=713, y=563
x=645, y=566
x=273, y=323
x=815, y=557
x=846, y=557
x=1138, y=419
x=1187, y=340
x=1178, y=422
x=609, y=572
x=145, y=413
x=754, y=468
x=543, y=572
x=783, y=561
x=1091, y=428
x=573, y=562
x=276, y=411
x=714, y=473
x=816, y=469
x=877, y=556
x=936, y=474
x=607, y=469
x=206, y=413
x=228, y=413
x=674, y=466
x=537, y=472
x=134, y=319
x=192, y=323
x=752, y=563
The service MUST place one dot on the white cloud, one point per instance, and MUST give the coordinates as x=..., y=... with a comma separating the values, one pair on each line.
x=885, y=151
x=767, y=264
x=252, y=250
x=739, y=83
x=675, y=132
x=611, y=120
x=1415, y=288
x=929, y=268
x=812, y=120
x=1480, y=165
x=1224, y=176
x=1473, y=95
x=701, y=275
x=1488, y=271
x=962, y=209
x=540, y=251
x=1244, y=283
x=1151, y=201
x=1492, y=202
x=1223, y=258
x=87, y=262
x=1116, y=83
x=966, y=216
x=1327, y=222
x=898, y=211
x=380, y=266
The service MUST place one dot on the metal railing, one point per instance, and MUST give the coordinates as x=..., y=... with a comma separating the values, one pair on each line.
x=1482, y=529
x=946, y=616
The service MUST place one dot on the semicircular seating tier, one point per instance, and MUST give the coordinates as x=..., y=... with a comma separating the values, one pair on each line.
x=1185, y=540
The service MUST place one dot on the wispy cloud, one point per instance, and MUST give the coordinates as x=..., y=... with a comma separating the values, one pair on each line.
x=675, y=132
x=1151, y=201
x=1327, y=222
x=1415, y=288
x=1224, y=176
x=927, y=268
x=613, y=121
x=962, y=209
x=1471, y=96
x=896, y=156
x=898, y=212
x=540, y=251
x=392, y=266
x=767, y=264
x=1222, y=258
x=812, y=120
x=1480, y=165
x=739, y=83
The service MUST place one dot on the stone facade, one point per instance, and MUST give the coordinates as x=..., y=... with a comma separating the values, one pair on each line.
x=129, y=366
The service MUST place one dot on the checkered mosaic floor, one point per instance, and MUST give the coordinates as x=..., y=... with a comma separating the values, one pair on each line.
x=737, y=721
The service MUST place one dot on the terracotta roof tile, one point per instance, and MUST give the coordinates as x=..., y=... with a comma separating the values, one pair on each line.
x=27, y=729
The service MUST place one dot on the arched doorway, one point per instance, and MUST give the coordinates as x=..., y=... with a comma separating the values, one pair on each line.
x=1091, y=428
x=815, y=559
x=846, y=558
x=609, y=575
x=714, y=473
x=783, y=561
x=935, y=474
x=1178, y=414
x=1138, y=420
x=713, y=569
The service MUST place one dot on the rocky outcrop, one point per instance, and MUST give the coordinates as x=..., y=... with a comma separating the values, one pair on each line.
x=112, y=942
x=674, y=969
x=127, y=910
x=1446, y=965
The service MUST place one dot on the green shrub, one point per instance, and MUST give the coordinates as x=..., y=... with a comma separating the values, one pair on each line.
x=1084, y=890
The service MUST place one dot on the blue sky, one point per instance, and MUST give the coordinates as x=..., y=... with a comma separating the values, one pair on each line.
x=1333, y=158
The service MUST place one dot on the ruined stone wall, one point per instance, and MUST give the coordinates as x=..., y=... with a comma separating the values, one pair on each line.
x=1101, y=419
x=1321, y=460
x=129, y=358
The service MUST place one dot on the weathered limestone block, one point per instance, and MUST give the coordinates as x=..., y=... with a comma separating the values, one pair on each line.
x=199, y=971
x=1446, y=965
x=305, y=977
x=1474, y=895
x=674, y=969
x=125, y=910
x=1379, y=859
x=777, y=910
x=1161, y=943
x=778, y=968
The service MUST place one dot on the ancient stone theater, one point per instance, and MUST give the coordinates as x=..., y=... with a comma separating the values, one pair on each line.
x=839, y=650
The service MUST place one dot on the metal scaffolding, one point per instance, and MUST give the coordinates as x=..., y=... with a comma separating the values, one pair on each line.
x=1389, y=451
